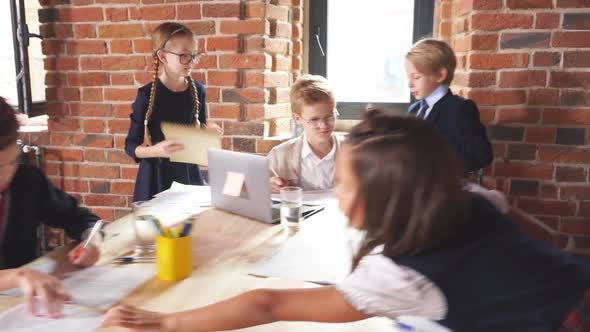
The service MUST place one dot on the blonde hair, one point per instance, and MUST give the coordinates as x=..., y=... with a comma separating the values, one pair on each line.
x=310, y=89
x=160, y=37
x=431, y=55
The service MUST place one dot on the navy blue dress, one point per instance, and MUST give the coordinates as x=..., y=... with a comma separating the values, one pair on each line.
x=157, y=174
x=495, y=277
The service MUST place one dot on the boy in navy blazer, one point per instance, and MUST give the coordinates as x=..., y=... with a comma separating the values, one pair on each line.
x=430, y=66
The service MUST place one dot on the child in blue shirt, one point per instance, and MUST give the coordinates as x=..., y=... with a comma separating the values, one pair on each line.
x=430, y=67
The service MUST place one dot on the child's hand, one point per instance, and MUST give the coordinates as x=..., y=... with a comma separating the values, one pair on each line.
x=48, y=289
x=277, y=183
x=166, y=148
x=84, y=256
x=136, y=319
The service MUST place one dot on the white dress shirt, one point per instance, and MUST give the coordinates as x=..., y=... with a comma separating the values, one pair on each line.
x=434, y=97
x=316, y=173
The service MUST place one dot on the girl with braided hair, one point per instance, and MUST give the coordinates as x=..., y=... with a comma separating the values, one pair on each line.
x=172, y=96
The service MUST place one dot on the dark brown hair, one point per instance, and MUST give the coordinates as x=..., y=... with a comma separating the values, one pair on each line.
x=160, y=37
x=409, y=181
x=431, y=55
x=8, y=125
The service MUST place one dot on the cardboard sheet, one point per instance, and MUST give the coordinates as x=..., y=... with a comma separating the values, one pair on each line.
x=196, y=142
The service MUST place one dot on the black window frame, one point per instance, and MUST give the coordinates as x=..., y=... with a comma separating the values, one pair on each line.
x=20, y=38
x=318, y=51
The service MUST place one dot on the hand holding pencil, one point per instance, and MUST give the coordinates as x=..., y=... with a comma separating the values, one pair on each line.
x=276, y=182
x=86, y=254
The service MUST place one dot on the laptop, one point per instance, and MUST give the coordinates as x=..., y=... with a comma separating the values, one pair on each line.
x=254, y=200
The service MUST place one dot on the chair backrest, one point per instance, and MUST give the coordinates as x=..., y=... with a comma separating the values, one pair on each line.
x=42, y=231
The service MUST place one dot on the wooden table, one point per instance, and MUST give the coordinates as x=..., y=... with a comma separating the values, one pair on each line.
x=225, y=248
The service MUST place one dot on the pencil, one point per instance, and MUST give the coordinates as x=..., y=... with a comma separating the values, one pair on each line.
x=274, y=172
x=134, y=259
x=95, y=229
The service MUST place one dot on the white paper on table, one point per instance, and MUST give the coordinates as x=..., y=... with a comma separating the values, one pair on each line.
x=321, y=252
x=75, y=318
x=179, y=202
x=197, y=193
x=319, y=197
x=314, y=197
x=102, y=286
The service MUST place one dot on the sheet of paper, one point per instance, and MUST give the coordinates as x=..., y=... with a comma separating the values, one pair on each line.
x=200, y=195
x=320, y=197
x=180, y=202
x=202, y=191
x=75, y=318
x=314, y=197
x=234, y=184
x=196, y=142
x=103, y=286
x=40, y=120
x=321, y=252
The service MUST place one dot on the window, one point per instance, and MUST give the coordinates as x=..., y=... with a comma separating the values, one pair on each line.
x=22, y=87
x=360, y=48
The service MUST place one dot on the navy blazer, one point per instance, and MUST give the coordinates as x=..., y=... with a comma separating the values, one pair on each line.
x=457, y=119
x=33, y=200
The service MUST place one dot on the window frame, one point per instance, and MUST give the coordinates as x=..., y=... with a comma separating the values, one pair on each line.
x=317, y=60
x=20, y=39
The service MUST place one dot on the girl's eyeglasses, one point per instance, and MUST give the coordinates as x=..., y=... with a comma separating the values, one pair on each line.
x=186, y=58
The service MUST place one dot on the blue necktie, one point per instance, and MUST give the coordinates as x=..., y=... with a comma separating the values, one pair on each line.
x=423, y=108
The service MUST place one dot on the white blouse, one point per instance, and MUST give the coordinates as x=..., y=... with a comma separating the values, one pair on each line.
x=379, y=287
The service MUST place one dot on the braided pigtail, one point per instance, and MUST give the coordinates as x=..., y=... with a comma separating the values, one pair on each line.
x=196, y=102
x=147, y=138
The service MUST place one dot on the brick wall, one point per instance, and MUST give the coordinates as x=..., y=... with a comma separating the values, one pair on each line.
x=98, y=54
x=525, y=62
x=527, y=65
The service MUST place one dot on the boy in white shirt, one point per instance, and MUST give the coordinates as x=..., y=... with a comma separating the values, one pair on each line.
x=307, y=161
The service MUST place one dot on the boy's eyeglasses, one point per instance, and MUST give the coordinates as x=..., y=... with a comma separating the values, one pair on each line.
x=327, y=120
x=186, y=58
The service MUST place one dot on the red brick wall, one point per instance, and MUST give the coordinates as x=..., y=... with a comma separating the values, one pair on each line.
x=525, y=62
x=98, y=54
x=527, y=65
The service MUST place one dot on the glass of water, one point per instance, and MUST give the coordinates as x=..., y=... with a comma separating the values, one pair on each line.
x=291, y=208
x=145, y=233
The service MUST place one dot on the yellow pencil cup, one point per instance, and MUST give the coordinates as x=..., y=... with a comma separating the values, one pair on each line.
x=174, y=257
